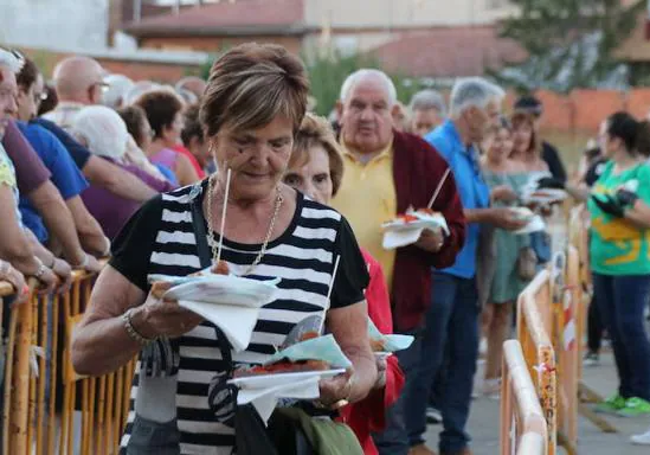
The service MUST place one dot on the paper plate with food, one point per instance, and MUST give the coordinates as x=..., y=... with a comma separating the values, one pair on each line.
x=230, y=302
x=321, y=356
x=385, y=345
x=217, y=286
x=406, y=229
x=278, y=374
x=545, y=196
x=421, y=218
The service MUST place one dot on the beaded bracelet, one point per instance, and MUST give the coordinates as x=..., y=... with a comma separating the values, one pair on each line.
x=133, y=333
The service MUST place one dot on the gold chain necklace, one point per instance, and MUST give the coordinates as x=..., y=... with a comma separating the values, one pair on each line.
x=215, y=245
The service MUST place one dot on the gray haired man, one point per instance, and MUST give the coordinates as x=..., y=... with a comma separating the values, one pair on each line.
x=452, y=324
x=428, y=110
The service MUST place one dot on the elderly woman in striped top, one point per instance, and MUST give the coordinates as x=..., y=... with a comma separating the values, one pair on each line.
x=252, y=108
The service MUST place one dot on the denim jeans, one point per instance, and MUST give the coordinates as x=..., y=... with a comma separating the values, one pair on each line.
x=621, y=302
x=451, y=336
x=394, y=439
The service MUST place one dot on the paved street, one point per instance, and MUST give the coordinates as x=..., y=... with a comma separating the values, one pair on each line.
x=484, y=421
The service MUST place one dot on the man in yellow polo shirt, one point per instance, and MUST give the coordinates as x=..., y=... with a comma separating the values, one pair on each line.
x=367, y=198
x=387, y=171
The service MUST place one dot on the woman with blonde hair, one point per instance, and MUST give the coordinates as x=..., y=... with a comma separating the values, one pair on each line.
x=506, y=178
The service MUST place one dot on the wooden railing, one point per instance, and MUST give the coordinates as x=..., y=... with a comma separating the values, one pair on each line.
x=525, y=432
x=48, y=408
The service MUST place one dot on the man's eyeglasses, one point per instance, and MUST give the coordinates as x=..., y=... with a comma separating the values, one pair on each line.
x=103, y=86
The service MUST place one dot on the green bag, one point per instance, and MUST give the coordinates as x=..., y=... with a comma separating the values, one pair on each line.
x=325, y=436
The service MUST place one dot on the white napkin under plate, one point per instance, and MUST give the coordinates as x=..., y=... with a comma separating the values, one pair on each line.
x=536, y=224
x=404, y=237
x=393, y=342
x=400, y=232
x=264, y=391
x=230, y=302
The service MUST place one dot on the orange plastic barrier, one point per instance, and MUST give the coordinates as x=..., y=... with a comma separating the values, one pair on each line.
x=567, y=295
x=524, y=428
x=534, y=324
x=48, y=408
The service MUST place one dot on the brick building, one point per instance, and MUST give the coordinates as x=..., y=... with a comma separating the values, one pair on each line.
x=409, y=36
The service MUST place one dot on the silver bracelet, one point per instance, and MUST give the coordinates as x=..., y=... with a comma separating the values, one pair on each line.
x=133, y=333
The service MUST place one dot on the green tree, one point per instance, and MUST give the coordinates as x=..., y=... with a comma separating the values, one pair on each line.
x=328, y=70
x=571, y=43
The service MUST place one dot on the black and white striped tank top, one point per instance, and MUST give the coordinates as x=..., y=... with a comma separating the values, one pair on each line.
x=160, y=239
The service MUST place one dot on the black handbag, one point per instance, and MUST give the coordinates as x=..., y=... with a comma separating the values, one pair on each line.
x=252, y=437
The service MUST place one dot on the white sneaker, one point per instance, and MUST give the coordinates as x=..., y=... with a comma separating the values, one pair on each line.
x=591, y=359
x=492, y=388
x=433, y=415
x=641, y=439
x=483, y=347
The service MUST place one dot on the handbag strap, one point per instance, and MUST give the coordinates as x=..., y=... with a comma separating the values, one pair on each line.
x=205, y=259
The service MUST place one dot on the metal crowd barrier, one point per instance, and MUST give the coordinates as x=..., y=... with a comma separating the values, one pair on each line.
x=534, y=324
x=47, y=407
x=525, y=431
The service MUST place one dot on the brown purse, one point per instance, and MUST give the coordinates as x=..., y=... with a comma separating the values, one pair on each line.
x=527, y=263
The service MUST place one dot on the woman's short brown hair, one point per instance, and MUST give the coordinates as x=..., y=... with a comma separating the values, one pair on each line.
x=27, y=75
x=134, y=117
x=316, y=131
x=161, y=107
x=250, y=85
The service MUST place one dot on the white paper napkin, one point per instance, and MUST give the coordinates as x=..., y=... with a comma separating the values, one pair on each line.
x=236, y=322
x=230, y=302
x=399, y=238
x=265, y=400
x=535, y=225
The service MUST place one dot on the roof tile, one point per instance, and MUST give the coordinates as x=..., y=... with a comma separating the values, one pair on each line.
x=240, y=14
x=448, y=52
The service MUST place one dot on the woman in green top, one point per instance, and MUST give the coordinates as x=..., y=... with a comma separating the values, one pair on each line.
x=620, y=256
x=506, y=178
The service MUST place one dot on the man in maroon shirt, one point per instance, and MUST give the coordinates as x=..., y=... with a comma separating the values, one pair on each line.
x=370, y=143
